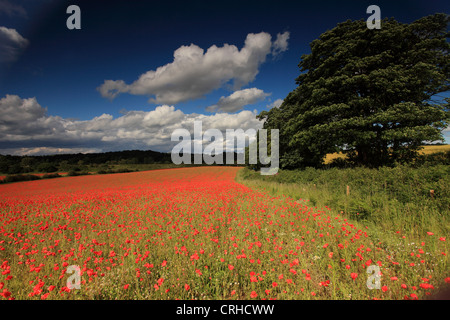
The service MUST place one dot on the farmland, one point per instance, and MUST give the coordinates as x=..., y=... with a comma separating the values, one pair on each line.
x=196, y=233
x=425, y=150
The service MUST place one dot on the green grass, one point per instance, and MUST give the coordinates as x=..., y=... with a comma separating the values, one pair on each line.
x=397, y=198
x=393, y=205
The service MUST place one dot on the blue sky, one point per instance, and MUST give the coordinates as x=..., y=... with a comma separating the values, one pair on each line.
x=172, y=62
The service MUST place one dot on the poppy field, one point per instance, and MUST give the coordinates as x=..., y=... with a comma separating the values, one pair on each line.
x=195, y=233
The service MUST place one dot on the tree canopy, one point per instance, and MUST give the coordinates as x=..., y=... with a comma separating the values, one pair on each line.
x=370, y=93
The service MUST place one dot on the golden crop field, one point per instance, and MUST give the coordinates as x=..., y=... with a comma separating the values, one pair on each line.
x=429, y=149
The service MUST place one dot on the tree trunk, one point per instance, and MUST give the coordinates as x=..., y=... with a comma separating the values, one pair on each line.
x=363, y=155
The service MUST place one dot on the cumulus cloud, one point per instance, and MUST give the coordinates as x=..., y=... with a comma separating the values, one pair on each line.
x=238, y=99
x=194, y=72
x=276, y=104
x=281, y=43
x=14, y=110
x=26, y=128
x=11, y=44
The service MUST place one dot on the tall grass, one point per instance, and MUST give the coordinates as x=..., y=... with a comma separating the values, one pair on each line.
x=395, y=206
x=397, y=198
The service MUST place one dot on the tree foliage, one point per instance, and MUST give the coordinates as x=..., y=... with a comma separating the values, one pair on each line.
x=76, y=162
x=370, y=93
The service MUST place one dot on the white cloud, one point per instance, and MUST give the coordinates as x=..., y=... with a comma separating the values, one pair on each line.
x=194, y=72
x=281, y=43
x=276, y=104
x=238, y=99
x=25, y=128
x=14, y=109
x=111, y=89
x=11, y=44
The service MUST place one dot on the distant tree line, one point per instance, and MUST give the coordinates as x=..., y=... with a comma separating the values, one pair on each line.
x=79, y=162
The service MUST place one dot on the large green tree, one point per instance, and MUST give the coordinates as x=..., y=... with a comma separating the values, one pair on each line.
x=370, y=93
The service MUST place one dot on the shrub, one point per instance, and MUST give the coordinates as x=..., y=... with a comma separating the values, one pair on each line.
x=50, y=176
x=19, y=177
x=46, y=167
x=73, y=173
